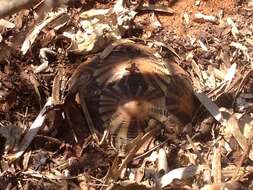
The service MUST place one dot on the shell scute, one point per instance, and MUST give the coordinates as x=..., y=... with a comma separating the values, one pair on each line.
x=136, y=87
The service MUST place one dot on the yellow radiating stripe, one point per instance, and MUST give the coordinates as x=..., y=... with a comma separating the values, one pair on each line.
x=105, y=109
x=103, y=98
x=162, y=86
x=138, y=92
x=173, y=107
x=170, y=94
x=160, y=102
x=119, y=91
x=161, y=69
x=148, y=91
x=104, y=77
x=98, y=71
x=166, y=79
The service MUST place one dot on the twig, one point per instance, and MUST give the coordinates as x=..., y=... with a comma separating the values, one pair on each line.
x=51, y=139
x=88, y=118
x=151, y=150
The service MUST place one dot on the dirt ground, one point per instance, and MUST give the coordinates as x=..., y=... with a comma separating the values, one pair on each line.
x=175, y=22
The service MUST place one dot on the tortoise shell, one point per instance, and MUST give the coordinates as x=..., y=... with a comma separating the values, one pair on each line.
x=132, y=89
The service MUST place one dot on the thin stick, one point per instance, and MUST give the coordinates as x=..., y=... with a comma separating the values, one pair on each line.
x=88, y=118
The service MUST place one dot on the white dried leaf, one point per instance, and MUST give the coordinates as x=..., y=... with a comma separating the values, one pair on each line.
x=30, y=39
x=29, y=136
x=218, y=73
x=192, y=40
x=6, y=24
x=43, y=55
x=197, y=2
x=189, y=56
x=155, y=21
x=181, y=174
x=202, y=45
x=216, y=165
x=249, y=40
x=212, y=81
x=101, y=27
x=199, y=17
x=241, y=47
x=230, y=73
x=186, y=19
x=162, y=160
x=234, y=29
x=157, y=8
x=250, y=4
x=210, y=106
x=197, y=70
x=153, y=157
x=227, y=147
x=93, y=13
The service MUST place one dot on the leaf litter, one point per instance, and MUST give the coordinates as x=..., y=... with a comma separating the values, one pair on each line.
x=41, y=148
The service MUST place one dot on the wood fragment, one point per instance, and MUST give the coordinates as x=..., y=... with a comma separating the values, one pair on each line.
x=162, y=161
x=91, y=126
x=216, y=166
x=199, y=17
x=157, y=8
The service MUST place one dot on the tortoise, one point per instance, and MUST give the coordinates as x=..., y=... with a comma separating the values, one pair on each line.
x=131, y=90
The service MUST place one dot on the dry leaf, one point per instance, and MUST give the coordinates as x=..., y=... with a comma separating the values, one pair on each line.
x=33, y=130
x=30, y=39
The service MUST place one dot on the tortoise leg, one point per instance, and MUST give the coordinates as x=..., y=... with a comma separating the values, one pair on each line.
x=169, y=121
